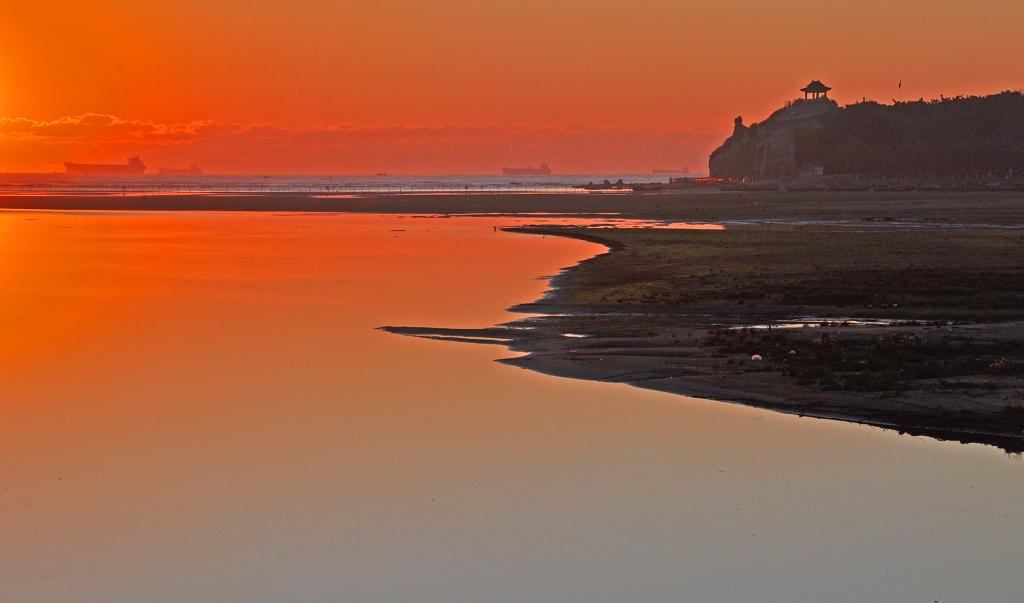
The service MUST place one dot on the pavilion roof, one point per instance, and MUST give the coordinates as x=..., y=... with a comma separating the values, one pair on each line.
x=815, y=86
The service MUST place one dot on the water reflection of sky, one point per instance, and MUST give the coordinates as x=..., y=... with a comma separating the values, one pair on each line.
x=198, y=407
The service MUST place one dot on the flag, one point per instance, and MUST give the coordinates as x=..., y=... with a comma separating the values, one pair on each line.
x=900, y=85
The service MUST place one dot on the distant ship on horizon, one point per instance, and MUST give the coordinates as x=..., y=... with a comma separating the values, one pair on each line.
x=192, y=170
x=134, y=166
x=543, y=170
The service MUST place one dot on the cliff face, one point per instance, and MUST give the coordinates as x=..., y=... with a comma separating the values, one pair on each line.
x=767, y=150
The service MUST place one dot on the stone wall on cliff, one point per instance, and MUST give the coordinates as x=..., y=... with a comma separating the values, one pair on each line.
x=767, y=150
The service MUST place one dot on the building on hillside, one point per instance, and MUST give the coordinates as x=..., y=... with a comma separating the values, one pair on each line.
x=815, y=90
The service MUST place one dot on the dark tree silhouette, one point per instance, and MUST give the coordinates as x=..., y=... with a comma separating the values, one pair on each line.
x=962, y=136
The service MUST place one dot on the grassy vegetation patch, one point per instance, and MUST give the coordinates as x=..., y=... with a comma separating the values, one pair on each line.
x=956, y=274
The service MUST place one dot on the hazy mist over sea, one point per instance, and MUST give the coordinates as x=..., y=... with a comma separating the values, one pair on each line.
x=257, y=184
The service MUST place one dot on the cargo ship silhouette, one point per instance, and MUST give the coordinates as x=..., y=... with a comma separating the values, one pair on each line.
x=527, y=171
x=193, y=170
x=134, y=166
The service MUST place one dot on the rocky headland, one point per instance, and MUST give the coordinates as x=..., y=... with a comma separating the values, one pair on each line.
x=767, y=150
x=947, y=139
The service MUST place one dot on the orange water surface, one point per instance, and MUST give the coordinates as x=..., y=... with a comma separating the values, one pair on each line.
x=199, y=407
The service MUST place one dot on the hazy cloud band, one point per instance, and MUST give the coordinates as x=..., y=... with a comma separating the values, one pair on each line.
x=32, y=145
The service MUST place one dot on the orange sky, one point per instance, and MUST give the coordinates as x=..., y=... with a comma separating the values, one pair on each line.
x=460, y=86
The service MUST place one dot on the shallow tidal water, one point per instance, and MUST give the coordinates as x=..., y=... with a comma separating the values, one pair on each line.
x=198, y=407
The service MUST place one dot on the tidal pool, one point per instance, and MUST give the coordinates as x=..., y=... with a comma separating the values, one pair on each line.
x=198, y=407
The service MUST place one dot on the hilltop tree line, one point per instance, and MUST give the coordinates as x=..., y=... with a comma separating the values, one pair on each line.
x=949, y=137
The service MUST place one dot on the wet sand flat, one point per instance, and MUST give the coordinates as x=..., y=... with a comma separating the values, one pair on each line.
x=994, y=207
x=915, y=328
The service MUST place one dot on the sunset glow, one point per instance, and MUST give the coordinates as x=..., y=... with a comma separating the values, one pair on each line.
x=446, y=301
x=451, y=86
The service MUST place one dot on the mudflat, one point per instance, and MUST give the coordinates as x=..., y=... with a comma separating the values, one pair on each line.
x=912, y=320
x=898, y=309
x=700, y=205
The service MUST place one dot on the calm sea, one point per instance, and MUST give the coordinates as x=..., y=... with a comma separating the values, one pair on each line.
x=198, y=407
x=332, y=185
